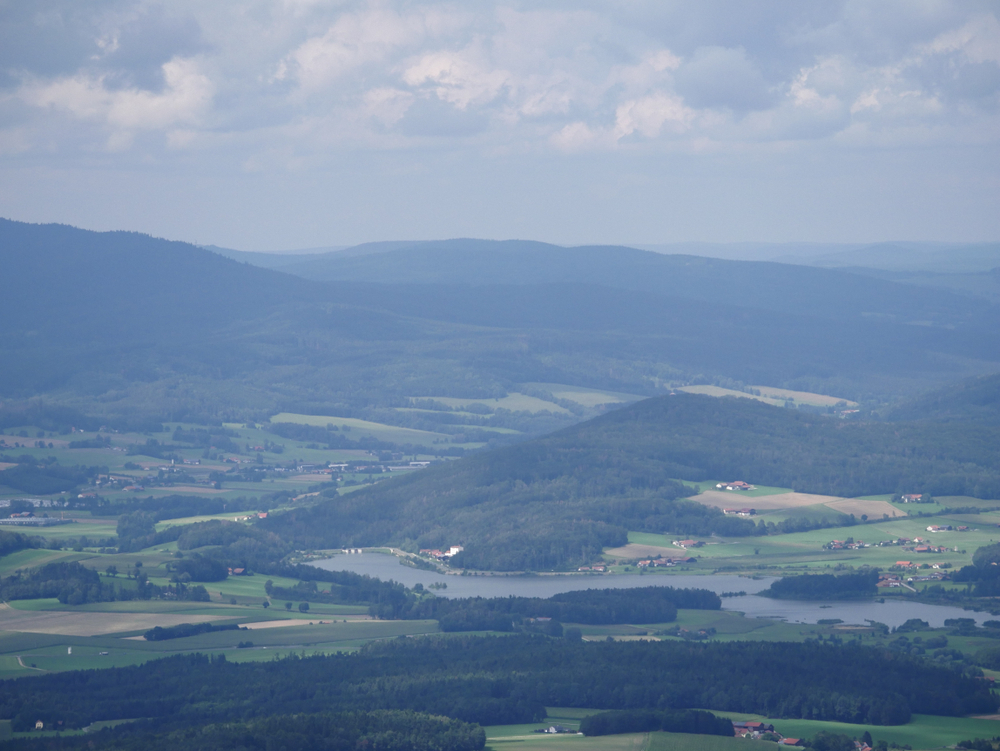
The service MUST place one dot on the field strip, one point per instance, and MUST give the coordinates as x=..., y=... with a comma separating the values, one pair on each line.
x=805, y=397
x=6, y=465
x=300, y=622
x=532, y=737
x=734, y=499
x=874, y=509
x=206, y=489
x=89, y=623
x=637, y=550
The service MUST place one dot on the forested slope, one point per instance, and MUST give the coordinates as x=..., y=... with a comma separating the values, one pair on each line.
x=976, y=400
x=552, y=501
x=506, y=680
x=127, y=325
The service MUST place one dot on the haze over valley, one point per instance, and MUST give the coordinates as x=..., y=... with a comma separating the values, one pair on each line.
x=424, y=377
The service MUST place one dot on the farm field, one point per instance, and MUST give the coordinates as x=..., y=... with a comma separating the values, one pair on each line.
x=359, y=428
x=803, y=397
x=805, y=549
x=759, y=490
x=773, y=396
x=791, y=500
x=88, y=623
x=35, y=557
x=514, y=401
x=923, y=732
x=583, y=396
x=26, y=653
x=637, y=550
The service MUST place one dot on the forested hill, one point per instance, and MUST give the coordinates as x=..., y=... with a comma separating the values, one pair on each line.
x=554, y=500
x=752, y=284
x=122, y=325
x=976, y=400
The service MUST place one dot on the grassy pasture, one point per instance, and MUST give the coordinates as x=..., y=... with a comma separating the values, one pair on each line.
x=922, y=732
x=585, y=397
x=514, y=401
x=97, y=530
x=803, y=397
x=813, y=513
x=873, y=509
x=806, y=548
x=36, y=557
x=780, y=501
x=362, y=428
x=759, y=490
x=719, y=391
x=773, y=396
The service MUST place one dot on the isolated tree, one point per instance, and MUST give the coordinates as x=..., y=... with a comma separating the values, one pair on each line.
x=288, y=606
x=303, y=607
x=111, y=570
x=265, y=604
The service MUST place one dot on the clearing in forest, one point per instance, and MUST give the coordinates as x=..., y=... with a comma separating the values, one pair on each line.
x=734, y=499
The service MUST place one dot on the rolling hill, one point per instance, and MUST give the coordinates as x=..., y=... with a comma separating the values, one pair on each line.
x=125, y=324
x=556, y=500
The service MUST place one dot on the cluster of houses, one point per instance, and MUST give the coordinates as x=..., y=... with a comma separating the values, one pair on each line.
x=849, y=544
x=947, y=528
x=443, y=555
x=755, y=730
x=738, y=485
x=739, y=512
x=28, y=519
x=664, y=562
x=892, y=580
x=557, y=729
x=599, y=569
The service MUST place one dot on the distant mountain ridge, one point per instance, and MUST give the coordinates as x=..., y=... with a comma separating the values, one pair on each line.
x=123, y=321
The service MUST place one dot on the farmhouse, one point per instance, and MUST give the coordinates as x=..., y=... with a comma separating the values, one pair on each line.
x=889, y=581
x=737, y=485
x=912, y=497
x=739, y=512
x=688, y=543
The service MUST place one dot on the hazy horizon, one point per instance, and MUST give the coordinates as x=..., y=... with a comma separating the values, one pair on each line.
x=304, y=123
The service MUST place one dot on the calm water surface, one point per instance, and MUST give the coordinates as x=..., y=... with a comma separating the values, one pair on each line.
x=891, y=613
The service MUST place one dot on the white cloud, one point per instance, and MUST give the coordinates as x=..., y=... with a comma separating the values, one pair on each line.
x=461, y=79
x=650, y=114
x=978, y=40
x=308, y=86
x=186, y=96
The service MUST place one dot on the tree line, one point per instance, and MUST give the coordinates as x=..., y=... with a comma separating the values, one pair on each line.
x=323, y=731
x=510, y=680
x=824, y=586
x=591, y=606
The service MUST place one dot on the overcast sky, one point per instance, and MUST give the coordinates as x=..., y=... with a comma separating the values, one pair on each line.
x=294, y=123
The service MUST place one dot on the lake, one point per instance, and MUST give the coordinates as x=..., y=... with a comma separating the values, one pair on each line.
x=386, y=567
